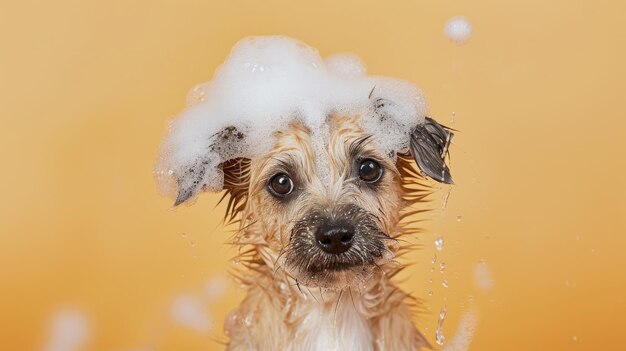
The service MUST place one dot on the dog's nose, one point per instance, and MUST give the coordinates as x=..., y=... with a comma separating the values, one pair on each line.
x=334, y=239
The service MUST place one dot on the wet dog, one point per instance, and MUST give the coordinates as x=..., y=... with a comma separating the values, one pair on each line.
x=320, y=251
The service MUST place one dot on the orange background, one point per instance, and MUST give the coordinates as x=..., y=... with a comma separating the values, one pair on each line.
x=86, y=88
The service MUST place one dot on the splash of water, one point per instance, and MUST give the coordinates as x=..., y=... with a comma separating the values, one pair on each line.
x=464, y=334
x=445, y=199
x=439, y=337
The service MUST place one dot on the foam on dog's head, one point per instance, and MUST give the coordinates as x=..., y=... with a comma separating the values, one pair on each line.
x=265, y=83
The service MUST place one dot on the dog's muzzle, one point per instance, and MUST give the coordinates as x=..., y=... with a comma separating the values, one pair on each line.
x=335, y=239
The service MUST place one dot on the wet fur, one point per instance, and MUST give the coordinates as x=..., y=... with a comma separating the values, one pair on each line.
x=291, y=305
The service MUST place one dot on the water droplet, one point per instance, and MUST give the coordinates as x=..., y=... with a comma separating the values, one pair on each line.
x=183, y=235
x=434, y=259
x=248, y=320
x=430, y=293
x=458, y=218
x=439, y=243
x=236, y=260
x=574, y=338
x=192, y=244
x=442, y=267
x=439, y=337
x=577, y=237
x=445, y=283
x=453, y=115
x=445, y=199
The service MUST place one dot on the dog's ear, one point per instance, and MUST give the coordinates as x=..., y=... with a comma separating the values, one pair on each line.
x=190, y=181
x=429, y=140
x=429, y=148
x=195, y=178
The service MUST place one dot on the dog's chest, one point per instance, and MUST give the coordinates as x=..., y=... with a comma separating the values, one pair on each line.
x=325, y=329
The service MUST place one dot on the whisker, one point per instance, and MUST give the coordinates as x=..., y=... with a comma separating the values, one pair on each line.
x=337, y=305
x=351, y=298
x=310, y=292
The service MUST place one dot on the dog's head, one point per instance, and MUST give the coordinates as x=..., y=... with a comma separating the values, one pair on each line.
x=319, y=162
x=334, y=228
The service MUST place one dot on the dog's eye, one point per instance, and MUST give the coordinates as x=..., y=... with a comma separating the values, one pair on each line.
x=370, y=171
x=281, y=184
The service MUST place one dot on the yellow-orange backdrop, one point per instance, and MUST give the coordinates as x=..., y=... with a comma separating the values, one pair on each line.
x=86, y=88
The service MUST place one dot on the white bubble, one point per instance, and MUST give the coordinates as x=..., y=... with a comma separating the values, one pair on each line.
x=458, y=29
x=482, y=277
x=216, y=287
x=266, y=83
x=198, y=94
x=189, y=311
x=345, y=65
x=69, y=331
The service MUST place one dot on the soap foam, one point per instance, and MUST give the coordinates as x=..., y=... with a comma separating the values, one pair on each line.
x=264, y=84
x=458, y=29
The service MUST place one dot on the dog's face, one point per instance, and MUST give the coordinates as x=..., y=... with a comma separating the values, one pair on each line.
x=327, y=232
x=329, y=228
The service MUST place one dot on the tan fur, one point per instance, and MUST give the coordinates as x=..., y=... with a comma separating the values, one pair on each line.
x=285, y=308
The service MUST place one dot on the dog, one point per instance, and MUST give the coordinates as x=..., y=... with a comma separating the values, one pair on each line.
x=322, y=181
x=320, y=254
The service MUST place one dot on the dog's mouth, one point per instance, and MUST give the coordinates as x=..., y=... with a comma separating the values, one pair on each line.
x=335, y=251
x=338, y=267
x=335, y=275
